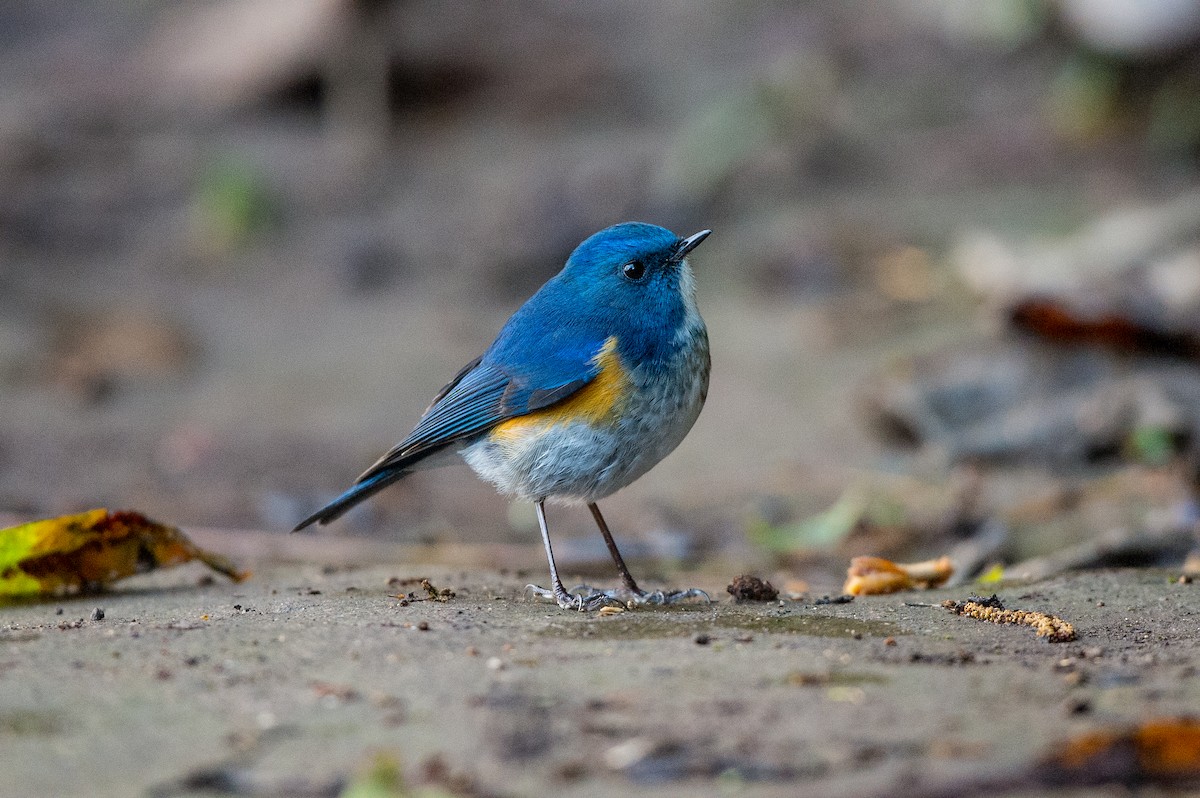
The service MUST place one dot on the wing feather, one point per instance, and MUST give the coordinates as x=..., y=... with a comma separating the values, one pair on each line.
x=480, y=397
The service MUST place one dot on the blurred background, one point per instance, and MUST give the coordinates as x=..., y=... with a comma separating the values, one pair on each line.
x=953, y=288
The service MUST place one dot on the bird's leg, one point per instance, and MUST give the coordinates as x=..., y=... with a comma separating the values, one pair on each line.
x=638, y=596
x=558, y=593
x=622, y=570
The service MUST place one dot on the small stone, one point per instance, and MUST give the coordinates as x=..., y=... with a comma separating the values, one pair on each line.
x=98, y=614
x=1078, y=706
x=702, y=639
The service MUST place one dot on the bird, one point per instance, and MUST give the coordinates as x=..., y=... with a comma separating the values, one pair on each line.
x=587, y=386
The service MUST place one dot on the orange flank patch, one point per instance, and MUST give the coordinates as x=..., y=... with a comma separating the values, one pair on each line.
x=599, y=400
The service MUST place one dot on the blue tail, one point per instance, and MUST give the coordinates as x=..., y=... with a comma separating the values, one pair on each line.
x=360, y=491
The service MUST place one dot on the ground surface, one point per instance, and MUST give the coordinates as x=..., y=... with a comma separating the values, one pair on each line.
x=289, y=683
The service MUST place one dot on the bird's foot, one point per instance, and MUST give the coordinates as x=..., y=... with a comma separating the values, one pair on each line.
x=636, y=597
x=671, y=596
x=585, y=600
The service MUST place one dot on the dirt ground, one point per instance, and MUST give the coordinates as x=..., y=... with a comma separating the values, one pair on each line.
x=296, y=681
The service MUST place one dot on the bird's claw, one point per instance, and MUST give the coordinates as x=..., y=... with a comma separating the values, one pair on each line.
x=677, y=596
x=586, y=598
x=660, y=598
x=586, y=601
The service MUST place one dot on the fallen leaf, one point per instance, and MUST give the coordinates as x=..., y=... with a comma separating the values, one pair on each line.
x=1115, y=329
x=868, y=576
x=92, y=549
x=1160, y=750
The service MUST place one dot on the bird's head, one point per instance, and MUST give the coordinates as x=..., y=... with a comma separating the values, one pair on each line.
x=634, y=266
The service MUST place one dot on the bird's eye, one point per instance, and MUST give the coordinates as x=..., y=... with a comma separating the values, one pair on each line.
x=634, y=270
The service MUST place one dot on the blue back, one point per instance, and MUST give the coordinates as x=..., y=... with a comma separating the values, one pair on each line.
x=544, y=352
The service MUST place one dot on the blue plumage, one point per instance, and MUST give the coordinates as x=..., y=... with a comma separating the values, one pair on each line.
x=602, y=372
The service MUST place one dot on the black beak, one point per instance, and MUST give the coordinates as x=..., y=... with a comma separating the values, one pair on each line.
x=688, y=244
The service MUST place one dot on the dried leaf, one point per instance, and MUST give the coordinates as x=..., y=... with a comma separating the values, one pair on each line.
x=1115, y=329
x=92, y=549
x=1160, y=750
x=868, y=576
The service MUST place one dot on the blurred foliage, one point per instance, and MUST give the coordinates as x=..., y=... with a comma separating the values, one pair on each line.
x=1083, y=97
x=778, y=110
x=716, y=140
x=1152, y=445
x=821, y=531
x=383, y=778
x=232, y=203
x=1095, y=95
x=997, y=24
x=1174, y=127
x=857, y=507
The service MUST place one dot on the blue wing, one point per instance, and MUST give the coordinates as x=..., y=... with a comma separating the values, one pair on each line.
x=530, y=366
x=478, y=400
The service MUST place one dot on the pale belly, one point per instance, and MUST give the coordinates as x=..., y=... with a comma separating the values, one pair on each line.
x=583, y=462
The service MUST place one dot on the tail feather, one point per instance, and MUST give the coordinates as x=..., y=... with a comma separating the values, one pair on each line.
x=360, y=491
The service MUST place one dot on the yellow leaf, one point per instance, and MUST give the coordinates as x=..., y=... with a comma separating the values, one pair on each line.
x=92, y=549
